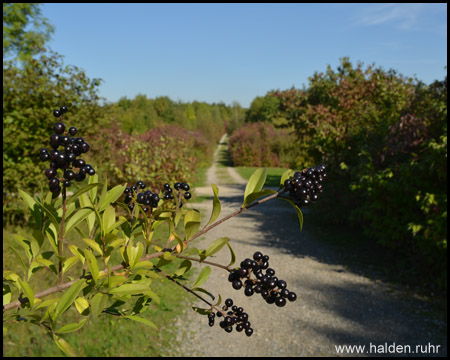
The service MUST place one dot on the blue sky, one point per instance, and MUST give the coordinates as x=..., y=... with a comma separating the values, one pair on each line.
x=235, y=52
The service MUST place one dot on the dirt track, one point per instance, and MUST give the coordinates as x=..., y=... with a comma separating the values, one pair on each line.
x=334, y=307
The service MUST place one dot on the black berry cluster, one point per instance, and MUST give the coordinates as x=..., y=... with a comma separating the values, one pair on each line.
x=168, y=192
x=65, y=158
x=306, y=185
x=251, y=276
x=146, y=198
x=232, y=315
x=150, y=199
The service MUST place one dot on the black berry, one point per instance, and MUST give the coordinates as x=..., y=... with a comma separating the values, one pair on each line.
x=59, y=127
x=72, y=131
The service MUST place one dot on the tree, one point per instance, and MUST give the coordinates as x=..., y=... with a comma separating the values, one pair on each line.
x=19, y=41
x=164, y=107
x=263, y=108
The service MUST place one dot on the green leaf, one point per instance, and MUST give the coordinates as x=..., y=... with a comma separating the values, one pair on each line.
x=218, y=301
x=141, y=320
x=116, y=242
x=25, y=244
x=286, y=175
x=69, y=297
x=216, y=246
x=34, y=207
x=37, y=242
x=115, y=280
x=134, y=253
x=141, y=305
x=204, y=292
x=64, y=346
x=71, y=327
x=34, y=267
x=82, y=305
x=184, y=267
x=77, y=218
x=69, y=263
x=233, y=255
x=97, y=303
x=256, y=195
x=180, y=242
x=152, y=295
x=51, y=215
x=85, y=202
x=178, y=217
x=217, y=207
x=7, y=293
x=111, y=196
x=27, y=290
x=143, y=265
x=162, y=261
x=191, y=223
x=109, y=219
x=130, y=289
x=52, y=235
x=94, y=245
x=45, y=303
x=77, y=252
x=168, y=256
x=201, y=311
x=93, y=191
x=255, y=183
x=202, y=277
x=27, y=199
x=80, y=191
x=20, y=258
x=92, y=264
x=163, y=214
x=299, y=213
x=46, y=263
x=103, y=193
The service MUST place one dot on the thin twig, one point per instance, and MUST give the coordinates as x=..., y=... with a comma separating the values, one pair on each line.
x=237, y=212
x=203, y=261
x=190, y=291
x=184, y=287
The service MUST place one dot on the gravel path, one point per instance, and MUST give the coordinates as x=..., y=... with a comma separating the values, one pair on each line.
x=334, y=306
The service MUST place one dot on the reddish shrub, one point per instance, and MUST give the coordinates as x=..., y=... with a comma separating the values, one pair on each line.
x=260, y=144
x=166, y=153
